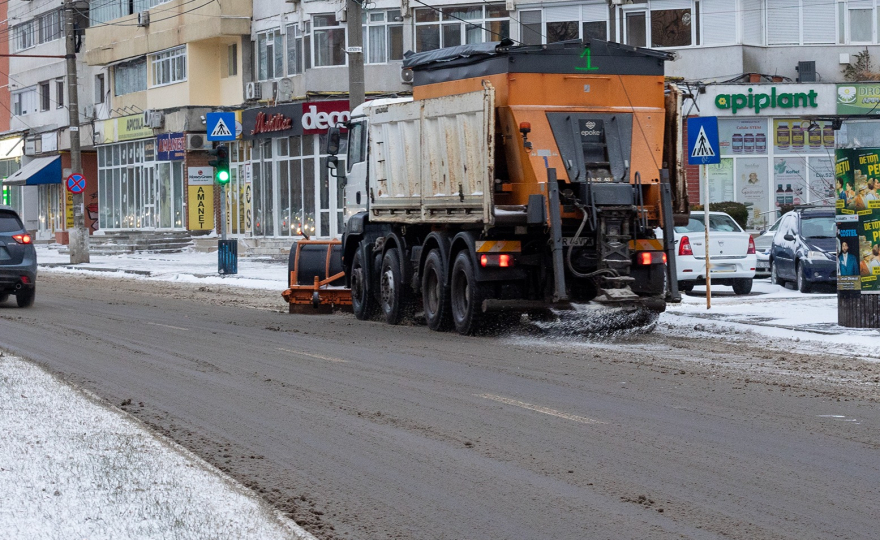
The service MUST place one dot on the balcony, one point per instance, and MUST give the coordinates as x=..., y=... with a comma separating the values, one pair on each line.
x=171, y=24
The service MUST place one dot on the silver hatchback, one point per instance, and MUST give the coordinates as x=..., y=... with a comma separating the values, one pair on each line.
x=18, y=260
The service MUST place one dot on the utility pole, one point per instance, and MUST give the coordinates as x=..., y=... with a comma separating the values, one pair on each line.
x=355, y=54
x=79, y=237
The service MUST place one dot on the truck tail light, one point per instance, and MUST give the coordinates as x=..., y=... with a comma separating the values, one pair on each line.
x=684, y=246
x=751, y=250
x=645, y=258
x=22, y=238
x=502, y=260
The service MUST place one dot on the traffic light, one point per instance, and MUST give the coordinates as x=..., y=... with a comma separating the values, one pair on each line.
x=221, y=164
x=4, y=197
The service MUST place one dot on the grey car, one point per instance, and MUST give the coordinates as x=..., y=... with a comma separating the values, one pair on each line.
x=18, y=260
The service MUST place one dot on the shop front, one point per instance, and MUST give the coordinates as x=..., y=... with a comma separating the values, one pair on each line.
x=140, y=177
x=777, y=146
x=283, y=188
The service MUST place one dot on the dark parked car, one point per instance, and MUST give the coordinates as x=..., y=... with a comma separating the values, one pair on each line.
x=804, y=248
x=18, y=259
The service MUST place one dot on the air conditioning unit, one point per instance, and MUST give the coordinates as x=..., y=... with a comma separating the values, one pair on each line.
x=197, y=141
x=143, y=18
x=406, y=75
x=154, y=119
x=253, y=90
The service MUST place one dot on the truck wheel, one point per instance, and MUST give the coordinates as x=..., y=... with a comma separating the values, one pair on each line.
x=742, y=286
x=391, y=287
x=362, y=302
x=435, y=293
x=466, y=296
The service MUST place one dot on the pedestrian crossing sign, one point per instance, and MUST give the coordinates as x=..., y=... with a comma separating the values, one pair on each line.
x=220, y=126
x=703, y=147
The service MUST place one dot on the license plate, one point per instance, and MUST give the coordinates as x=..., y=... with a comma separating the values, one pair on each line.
x=723, y=268
x=580, y=242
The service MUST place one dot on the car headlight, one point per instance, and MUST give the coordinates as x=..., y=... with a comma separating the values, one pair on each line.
x=818, y=255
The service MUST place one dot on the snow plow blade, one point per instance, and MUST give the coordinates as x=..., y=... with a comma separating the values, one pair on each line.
x=316, y=280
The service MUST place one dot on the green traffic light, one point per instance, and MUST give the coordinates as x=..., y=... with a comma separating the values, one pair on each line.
x=222, y=176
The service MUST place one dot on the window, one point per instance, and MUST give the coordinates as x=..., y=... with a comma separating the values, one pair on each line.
x=45, y=99
x=357, y=144
x=130, y=77
x=270, y=57
x=635, y=28
x=530, y=28
x=671, y=28
x=453, y=26
x=383, y=36
x=49, y=26
x=294, y=49
x=24, y=102
x=59, y=93
x=100, y=89
x=107, y=10
x=329, y=40
x=797, y=22
x=169, y=66
x=23, y=36
x=232, y=60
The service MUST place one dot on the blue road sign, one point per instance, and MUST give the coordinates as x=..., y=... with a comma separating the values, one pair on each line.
x=703, y=147
x=76, y=183
x=220, y=126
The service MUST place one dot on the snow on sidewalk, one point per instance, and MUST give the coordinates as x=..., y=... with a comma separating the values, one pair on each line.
x=73, y=468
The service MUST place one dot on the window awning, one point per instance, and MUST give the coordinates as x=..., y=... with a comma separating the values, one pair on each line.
x=44, y=170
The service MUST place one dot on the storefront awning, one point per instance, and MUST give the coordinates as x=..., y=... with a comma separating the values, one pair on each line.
x=44, y=170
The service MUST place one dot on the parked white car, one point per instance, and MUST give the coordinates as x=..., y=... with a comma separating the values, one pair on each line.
x=731, y=252
x=762, y=246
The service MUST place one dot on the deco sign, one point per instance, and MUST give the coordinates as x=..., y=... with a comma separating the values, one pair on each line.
x=737, y=102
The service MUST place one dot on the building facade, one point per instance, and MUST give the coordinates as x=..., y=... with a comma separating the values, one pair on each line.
x=152, y=69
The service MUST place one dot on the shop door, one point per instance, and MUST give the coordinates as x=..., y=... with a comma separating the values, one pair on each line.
x=148, y=195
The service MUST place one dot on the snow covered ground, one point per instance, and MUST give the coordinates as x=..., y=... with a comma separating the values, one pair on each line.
x=71, y=467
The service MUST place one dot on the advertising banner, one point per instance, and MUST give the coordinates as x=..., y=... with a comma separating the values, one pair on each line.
x=751, y=185
x=796, y=136
x=858, y=98
x=721, y=181
x=743, y=137
x=790, y=179
x=858, y=219
x=170, y=147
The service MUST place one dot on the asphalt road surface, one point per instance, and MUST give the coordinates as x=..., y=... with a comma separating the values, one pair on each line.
x=363, y=430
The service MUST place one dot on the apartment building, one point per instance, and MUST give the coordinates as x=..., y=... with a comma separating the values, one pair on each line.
x=38, y=135
x=153, y=68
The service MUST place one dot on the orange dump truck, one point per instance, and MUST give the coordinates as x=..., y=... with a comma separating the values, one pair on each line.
x=516, y=179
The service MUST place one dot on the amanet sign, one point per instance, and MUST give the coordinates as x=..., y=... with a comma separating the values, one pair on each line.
x=773, y=99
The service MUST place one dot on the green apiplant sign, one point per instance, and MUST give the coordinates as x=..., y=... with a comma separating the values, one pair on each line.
x=758, y=101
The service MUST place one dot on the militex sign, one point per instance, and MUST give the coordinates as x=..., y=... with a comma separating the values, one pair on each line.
x=770, y=100
x=309, y=118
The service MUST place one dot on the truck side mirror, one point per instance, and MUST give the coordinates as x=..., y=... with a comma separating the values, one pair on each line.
x=333, y=139
x=333, y=165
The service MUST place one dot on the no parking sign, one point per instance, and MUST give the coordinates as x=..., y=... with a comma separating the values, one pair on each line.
x=76, y=183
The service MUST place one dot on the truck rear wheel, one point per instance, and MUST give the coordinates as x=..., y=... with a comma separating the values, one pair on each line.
x=466, y=296
x=362, y=302
x=391, y=287
x=435, y=293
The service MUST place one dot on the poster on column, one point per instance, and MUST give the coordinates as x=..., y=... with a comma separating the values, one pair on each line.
x=738, y=137
x=720, y=181
x=752, y=189
x=858, y=217
x=789, y=181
